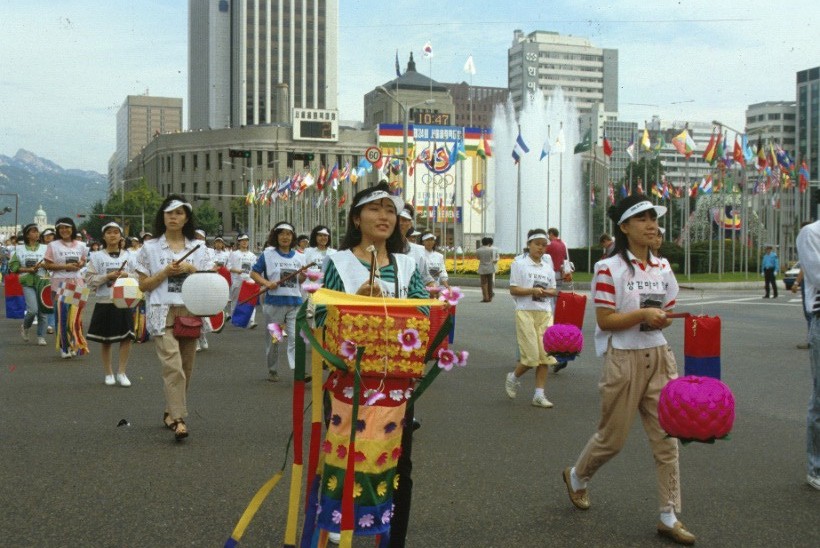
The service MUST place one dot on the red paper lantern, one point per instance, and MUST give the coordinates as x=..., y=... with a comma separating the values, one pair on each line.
x=696, y=408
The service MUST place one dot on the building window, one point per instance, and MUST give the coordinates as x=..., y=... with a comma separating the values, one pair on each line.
x=182, y=162
x=196, y=188
x=182, y=188
x=258, y=157
x=219, y=160
x=196, y=161
x=208, y=187
x=219, y=189
x=207, y=161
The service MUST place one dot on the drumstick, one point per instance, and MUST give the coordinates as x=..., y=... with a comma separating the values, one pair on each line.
x=122, y=265
x=279, y=281
x=186, y=255
x=373, y=266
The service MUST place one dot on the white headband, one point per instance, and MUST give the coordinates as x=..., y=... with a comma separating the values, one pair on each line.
x=199, y=232
x=109, y=225
x=58, y=225
x=406, y=214
x=661, y=230
x=242, y=237
x=323, y=231
x=285, y=226
x=398, y=203
x=427, y=237
x=536, y=236
x=640, y=207
x=175, y=204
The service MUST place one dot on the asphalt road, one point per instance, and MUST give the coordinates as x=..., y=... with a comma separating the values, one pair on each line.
x=487, y=468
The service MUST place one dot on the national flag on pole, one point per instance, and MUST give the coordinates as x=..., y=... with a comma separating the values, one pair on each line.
x=558, y=146
x=694, y=190
x=545, y=150
x=624, y=191
x=737, y=153
x=661, y=142
x=251, y=196
x=683, y=143
x=398, y=69
x=611, y=194
x=719, y=150
x=519, y=149
x=469, y=66
x=706, y=185
x=592, y=195
x=748, y=154
x=458, y=153
x=645, y=142
x=480, y=148
x=656, y=190
x=586, y=143
x=342, y=200
x=607, y=147
x=803, y=176
x=761, y=155
x=709, y=151
x=334, y=177
x=428, y=50
x=630, y=148
x=639, y=188
x=345, y=172
x=487, y=150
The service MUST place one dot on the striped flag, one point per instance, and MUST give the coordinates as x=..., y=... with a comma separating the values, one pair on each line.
x=519, y=149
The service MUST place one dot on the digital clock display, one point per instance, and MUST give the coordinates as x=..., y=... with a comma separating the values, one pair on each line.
x=315, y=129
x=431, y=118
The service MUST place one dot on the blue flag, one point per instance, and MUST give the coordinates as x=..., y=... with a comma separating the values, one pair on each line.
x=519, y=149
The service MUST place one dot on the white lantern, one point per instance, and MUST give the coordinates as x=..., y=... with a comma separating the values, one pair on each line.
x=205, y=293
x=126, y=293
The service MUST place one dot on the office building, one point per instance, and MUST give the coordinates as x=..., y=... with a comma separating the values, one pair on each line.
x=252, y=61
x=808, y=120
x=543, y=61
x=475, y=105
x=773, y=121
x=139, y=120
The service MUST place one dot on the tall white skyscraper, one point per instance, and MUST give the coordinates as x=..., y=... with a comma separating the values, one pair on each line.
x=251, y=61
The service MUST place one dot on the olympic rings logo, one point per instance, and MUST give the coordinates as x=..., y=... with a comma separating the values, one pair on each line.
x=438, y=180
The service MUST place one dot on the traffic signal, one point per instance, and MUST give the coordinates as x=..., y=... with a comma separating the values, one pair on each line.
x=309, y=156
x=80, y=216
x=306, y=156
x=237, y=153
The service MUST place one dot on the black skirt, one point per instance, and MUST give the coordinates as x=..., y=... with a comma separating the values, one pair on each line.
x=110, y=324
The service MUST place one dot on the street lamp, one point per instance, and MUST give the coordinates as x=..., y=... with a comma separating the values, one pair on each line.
x=16, y=206
x=406, y=109
x=251, y=208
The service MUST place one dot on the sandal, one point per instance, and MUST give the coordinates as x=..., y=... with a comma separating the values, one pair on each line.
x=166, y=420
x=180, y=430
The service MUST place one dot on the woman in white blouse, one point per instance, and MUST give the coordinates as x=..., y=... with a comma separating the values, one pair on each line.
x=161, y=270
x=435, y=260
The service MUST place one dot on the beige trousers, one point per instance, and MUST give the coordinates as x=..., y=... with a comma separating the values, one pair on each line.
x=631, y=383
x=177, y=359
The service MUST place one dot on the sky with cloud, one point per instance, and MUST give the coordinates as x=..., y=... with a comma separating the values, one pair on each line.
x=66, y=67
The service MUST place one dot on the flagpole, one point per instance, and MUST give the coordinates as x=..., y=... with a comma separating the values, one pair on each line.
x=685, y=229
x=591, y=194
x=548, y=178
x=484, y=197
x=518, y=203
x=560, y=185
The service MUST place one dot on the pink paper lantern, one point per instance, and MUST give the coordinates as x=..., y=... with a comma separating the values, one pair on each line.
x=696, y=408
x=563, y=341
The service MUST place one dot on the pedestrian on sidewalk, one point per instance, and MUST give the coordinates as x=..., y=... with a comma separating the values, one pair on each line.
x=769, y=267
x=532, y=285
x=487, y=256
x=633, y=292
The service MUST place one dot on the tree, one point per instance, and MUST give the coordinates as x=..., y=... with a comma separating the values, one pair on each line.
x=207, y=218
x=135, y=211
x=239, y=211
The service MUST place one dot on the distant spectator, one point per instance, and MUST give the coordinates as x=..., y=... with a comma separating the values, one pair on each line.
x=769, y=267
x=487, y=256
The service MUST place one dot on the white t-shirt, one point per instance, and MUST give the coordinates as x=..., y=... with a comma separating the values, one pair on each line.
x=318, y=256
x=278, y=267
x=435, y=266
x=615, y=287
x=220, y=257
x=100, y=263
x=58, y=252
x=240, y=260
x=30, y=257
x=419, y=255
x=526, y=273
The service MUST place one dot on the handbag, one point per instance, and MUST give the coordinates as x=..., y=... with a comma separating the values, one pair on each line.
x=569, y=308
x=187, y=327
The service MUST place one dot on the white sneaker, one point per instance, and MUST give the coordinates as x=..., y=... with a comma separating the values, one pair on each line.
x=123, y=380
x=198, y=346
x=24, y=333
x=204, y=343
x=109, y=380
x=41, y=341
x=65, y=355
x=35, y=321
x=511, y=385
x=335, y=538
x=50, y=330
x=541, y=401
x=253, y=326
x=814, y=481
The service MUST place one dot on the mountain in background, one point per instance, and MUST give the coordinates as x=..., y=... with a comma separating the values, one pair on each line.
x=41, y=183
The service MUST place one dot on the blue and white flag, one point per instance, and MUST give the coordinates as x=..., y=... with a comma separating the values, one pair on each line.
x=519, y=149
x=545, y=150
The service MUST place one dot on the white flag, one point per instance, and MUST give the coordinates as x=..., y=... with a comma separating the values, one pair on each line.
x=428, y=50
x=558, y=147
x=469, y=66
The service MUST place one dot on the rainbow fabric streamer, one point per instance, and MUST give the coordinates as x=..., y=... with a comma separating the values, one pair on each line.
x=70, y=303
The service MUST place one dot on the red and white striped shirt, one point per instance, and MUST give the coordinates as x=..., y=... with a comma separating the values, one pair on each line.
x=614, y=286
